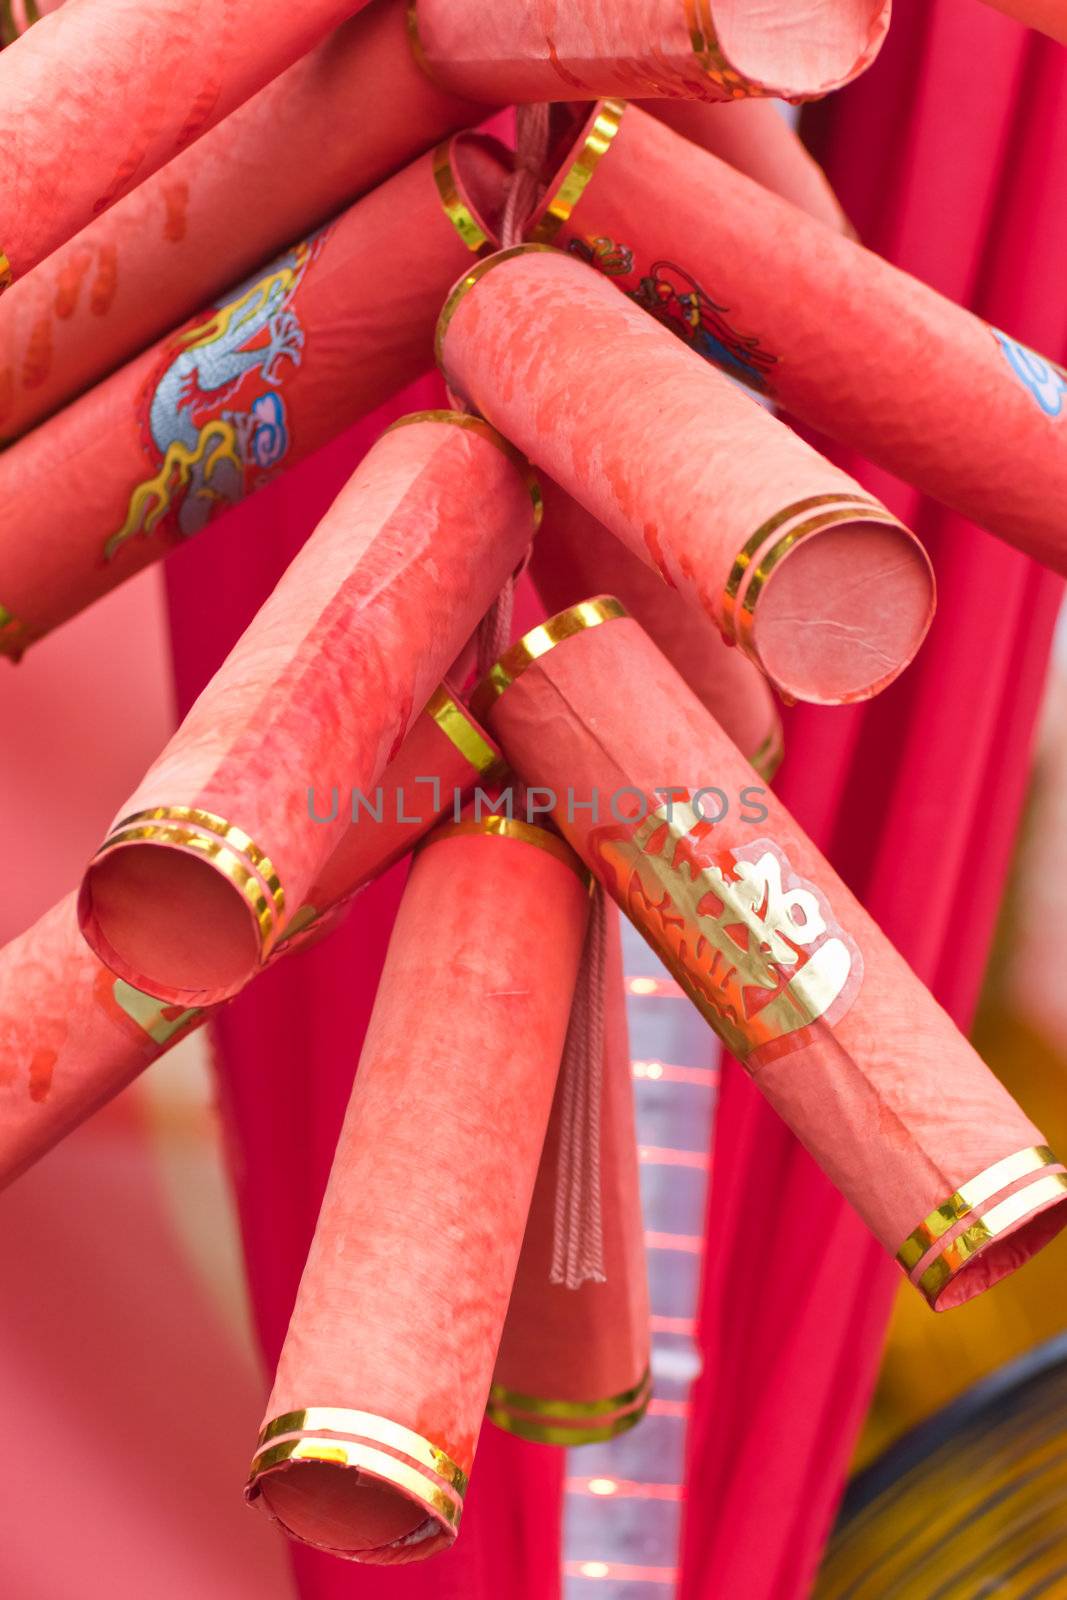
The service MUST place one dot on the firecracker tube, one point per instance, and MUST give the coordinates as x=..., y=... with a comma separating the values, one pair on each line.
x=839, y=338
x=248, y=388
x=342, y=119
x=372, y=1424
x=72, y=1035
x=206, y=864
x=576, y=557
x=826, y=591
x=1048, y=16
x=573, y=1366
x=871, y=1074
x=529, y=50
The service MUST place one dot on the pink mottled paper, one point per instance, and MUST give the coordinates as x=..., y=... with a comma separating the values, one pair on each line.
x=588, y=1345
x=575, y=557
x=840, y=338
x=101, y=94
x=249, y=387
x=883, y=1090
x=318, y=693
x=686, y=469
x=406, y=1287
x=708, y=49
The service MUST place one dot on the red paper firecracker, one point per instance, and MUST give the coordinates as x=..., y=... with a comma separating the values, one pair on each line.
x=382, y=1383
x=784, y=552
x=218, y=849
x=802, y=987
x=317, y=339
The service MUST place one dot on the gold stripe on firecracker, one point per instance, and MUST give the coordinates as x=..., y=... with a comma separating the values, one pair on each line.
x=445, y=1503
x=415, y=39
x=14, y=635
x=6, y=275
x=560, y=202
x=768, y=756
x=757, y=560
x=709, y=53
x=366, y=1425
x=565, y=1422
x=458, y=214
x=467, y=282
x=228, y=848
x=968, y=1197
x=986, y=1230
x=538, y=642
x=462, y=419
x=497, y=826
x=460, y=729
x=150, y=1014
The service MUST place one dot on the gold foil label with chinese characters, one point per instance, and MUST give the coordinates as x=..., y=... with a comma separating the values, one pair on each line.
x=755, y=946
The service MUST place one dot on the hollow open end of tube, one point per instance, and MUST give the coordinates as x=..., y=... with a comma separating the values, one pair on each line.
x=802, y=49
x=842, y=612
x=351, y=1513
x=1012, y=1249
x=170, y=923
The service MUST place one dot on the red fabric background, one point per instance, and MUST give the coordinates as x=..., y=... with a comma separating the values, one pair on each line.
x=956, y=171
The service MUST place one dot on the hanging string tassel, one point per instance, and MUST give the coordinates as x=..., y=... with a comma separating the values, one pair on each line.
x=531, y=148
x=578, y=1237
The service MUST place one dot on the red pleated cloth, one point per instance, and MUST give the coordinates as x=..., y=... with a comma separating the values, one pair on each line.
x=915, y=797
x=296, y=1036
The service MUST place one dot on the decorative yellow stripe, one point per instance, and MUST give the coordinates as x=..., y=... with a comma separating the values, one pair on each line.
x=367, y=1425
x=538, y=642
x=462, y=419
x=345, y=1453
x=14, y=635
x=415, y=41
x=6, y=274
x=968, y=1196
x=224, y=830
x=986, y=1229
x=559, y=204
x=768, y=562
x=753, y=545
x=546, y=1433
x=499, y=827
x=514, y=1401
x=221, y=858
x=709, y=53
x=455, y=210
x=148, y=1012
x=460, y=729
x=467, y=282
x=767, y=758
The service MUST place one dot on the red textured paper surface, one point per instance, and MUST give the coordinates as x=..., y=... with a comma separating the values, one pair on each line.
x=66, y=1045
x=1048, y=15
x=98, y=96
x=754, y=137
x=545, y=50
x=890, y=1099
x=289, y=360
x=337, y=122
x=576, y=557
x=319, y=691
x=592, y=1343
x=686, y=468
x=406, y=1286
x=839, y=337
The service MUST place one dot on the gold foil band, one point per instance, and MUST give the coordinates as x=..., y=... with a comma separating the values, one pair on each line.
x=568, y=1422
x=415, y=41
x=6, y=275
x=444, y=1503
x=968, y=1197
x=366, y=1425
x=537, y=643
x=478, y=425
x=14, y=635
x=998, y=1220
x=768, y=755
x=461, y=730
x=150, y=1014
x=709, y=53
x=458, y=214
x=500, y=827
x=757, y=559
x=467, y=282
x=561, y=200
x=228, y=849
